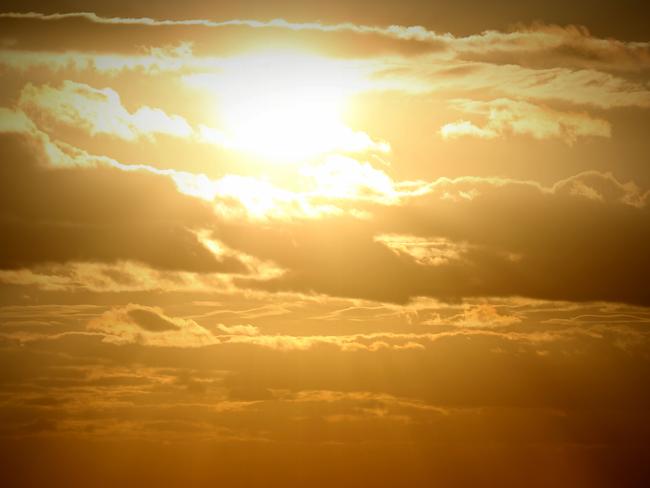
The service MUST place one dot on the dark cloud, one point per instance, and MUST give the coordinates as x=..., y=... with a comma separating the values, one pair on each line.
x=586, y=238
x=151, y=321
x=96, y=214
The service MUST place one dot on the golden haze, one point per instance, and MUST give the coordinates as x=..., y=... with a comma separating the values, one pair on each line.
x=266, y=244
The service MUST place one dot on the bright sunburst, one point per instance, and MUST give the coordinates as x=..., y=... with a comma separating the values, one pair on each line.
x=288, y=106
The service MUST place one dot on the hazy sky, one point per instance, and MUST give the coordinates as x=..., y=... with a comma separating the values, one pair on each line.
x=296, y=244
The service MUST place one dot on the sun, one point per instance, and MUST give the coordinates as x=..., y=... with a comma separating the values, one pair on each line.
x=287, y=106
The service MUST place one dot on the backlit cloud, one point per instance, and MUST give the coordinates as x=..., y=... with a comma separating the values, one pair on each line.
x=150, y=326
x=512, y=117
x=265, y=243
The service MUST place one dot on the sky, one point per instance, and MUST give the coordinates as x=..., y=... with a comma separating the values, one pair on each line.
x=296, y=244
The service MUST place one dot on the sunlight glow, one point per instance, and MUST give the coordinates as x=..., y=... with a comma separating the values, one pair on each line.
x=288, y=106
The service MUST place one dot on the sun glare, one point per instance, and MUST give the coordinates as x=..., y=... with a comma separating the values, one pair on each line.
x=287, y=106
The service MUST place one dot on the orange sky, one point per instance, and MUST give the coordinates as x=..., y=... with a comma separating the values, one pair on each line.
x=278, y=244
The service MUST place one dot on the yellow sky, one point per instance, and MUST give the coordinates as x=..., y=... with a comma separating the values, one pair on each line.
x=282, y=247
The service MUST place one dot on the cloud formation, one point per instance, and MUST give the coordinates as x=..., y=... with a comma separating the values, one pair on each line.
x=361, y=253
x=96, y=214
x=591, y=227
x=99, y=111
x=506, y=116
x=150, y=326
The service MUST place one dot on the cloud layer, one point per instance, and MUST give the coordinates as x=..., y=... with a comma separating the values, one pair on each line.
x=248, y=252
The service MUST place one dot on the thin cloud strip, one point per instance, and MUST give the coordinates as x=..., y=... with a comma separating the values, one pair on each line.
x=572, y=42
x=505, y=116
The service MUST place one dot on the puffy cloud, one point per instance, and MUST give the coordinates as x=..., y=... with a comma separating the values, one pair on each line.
x=462, y=128
x=247, y=329
x=99, y=111
x=336, y=185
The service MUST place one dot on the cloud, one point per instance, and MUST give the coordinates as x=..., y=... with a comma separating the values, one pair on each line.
x=362, y=400
x=314, y=314
x=151, y=320
x=506, y=116
x=345, y=39
x=540, y=45
x=481, y=315
x=428, y=252
x=539, y=62
x=537, y=44
x=588, y=87
x=584, y=238
x=463, y=128
x=151, y=327
x=96, y=214
x=98, y=111
x=456, y=238
x=337, y=185
x=116, y=277
x=249, y=330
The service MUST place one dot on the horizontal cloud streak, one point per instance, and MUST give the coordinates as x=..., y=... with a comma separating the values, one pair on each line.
x=506, y=116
